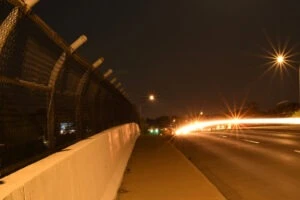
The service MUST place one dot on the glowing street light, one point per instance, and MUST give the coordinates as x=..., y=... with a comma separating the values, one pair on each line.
x=281, y=61
x=151, y=97
x=280, y=58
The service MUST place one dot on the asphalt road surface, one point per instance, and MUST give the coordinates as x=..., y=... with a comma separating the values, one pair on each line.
x=249, y=164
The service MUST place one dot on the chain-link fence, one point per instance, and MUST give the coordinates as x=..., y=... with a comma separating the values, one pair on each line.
x=49, y=96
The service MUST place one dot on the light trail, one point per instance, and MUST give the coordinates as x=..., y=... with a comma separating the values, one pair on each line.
x=252, y=141
x=200, y=125
x=297, y=151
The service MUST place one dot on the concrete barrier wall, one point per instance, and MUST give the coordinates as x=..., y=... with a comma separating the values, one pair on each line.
x=91, y=169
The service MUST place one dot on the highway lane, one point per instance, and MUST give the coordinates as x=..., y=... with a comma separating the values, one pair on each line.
x=247, y=164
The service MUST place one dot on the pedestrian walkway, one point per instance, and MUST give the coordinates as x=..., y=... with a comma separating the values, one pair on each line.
x=158, y=171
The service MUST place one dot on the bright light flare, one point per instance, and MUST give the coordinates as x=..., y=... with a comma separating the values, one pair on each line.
x=151, y=97
x=280, y=59
x=197, y=125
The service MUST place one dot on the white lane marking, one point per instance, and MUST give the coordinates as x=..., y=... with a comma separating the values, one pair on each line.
x=224, y=136
x=251, y=141
x=297, y=151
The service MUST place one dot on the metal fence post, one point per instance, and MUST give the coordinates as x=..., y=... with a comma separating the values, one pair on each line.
x=29, y=4
x=80, y=92
x=112, y=81
x=45, y=89
x=56, y=71
x=107, y=73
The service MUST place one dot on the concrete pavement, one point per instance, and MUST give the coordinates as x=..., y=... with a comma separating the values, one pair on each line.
x=247, y=164
x=157, y=170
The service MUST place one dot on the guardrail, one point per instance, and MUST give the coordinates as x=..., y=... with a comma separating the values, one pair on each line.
x=49, y=95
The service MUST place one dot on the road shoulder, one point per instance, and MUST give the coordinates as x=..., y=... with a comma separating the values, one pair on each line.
x=157, y=170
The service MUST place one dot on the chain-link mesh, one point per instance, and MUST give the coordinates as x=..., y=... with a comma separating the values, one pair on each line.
x=88, y=108
x=38, y=60
x=42, y=105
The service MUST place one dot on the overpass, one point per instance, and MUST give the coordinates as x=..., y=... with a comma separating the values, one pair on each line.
x=60, y=112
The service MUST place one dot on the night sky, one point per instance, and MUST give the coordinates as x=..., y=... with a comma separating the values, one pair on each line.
x=195, y=55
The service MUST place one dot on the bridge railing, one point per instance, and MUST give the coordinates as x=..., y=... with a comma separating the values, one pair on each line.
x=49, y=95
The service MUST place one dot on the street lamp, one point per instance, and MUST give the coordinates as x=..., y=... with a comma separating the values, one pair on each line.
x=281, y=60
x=150, y=98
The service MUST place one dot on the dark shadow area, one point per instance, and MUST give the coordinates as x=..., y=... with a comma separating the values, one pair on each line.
x=88, y=138
x=64, y=150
